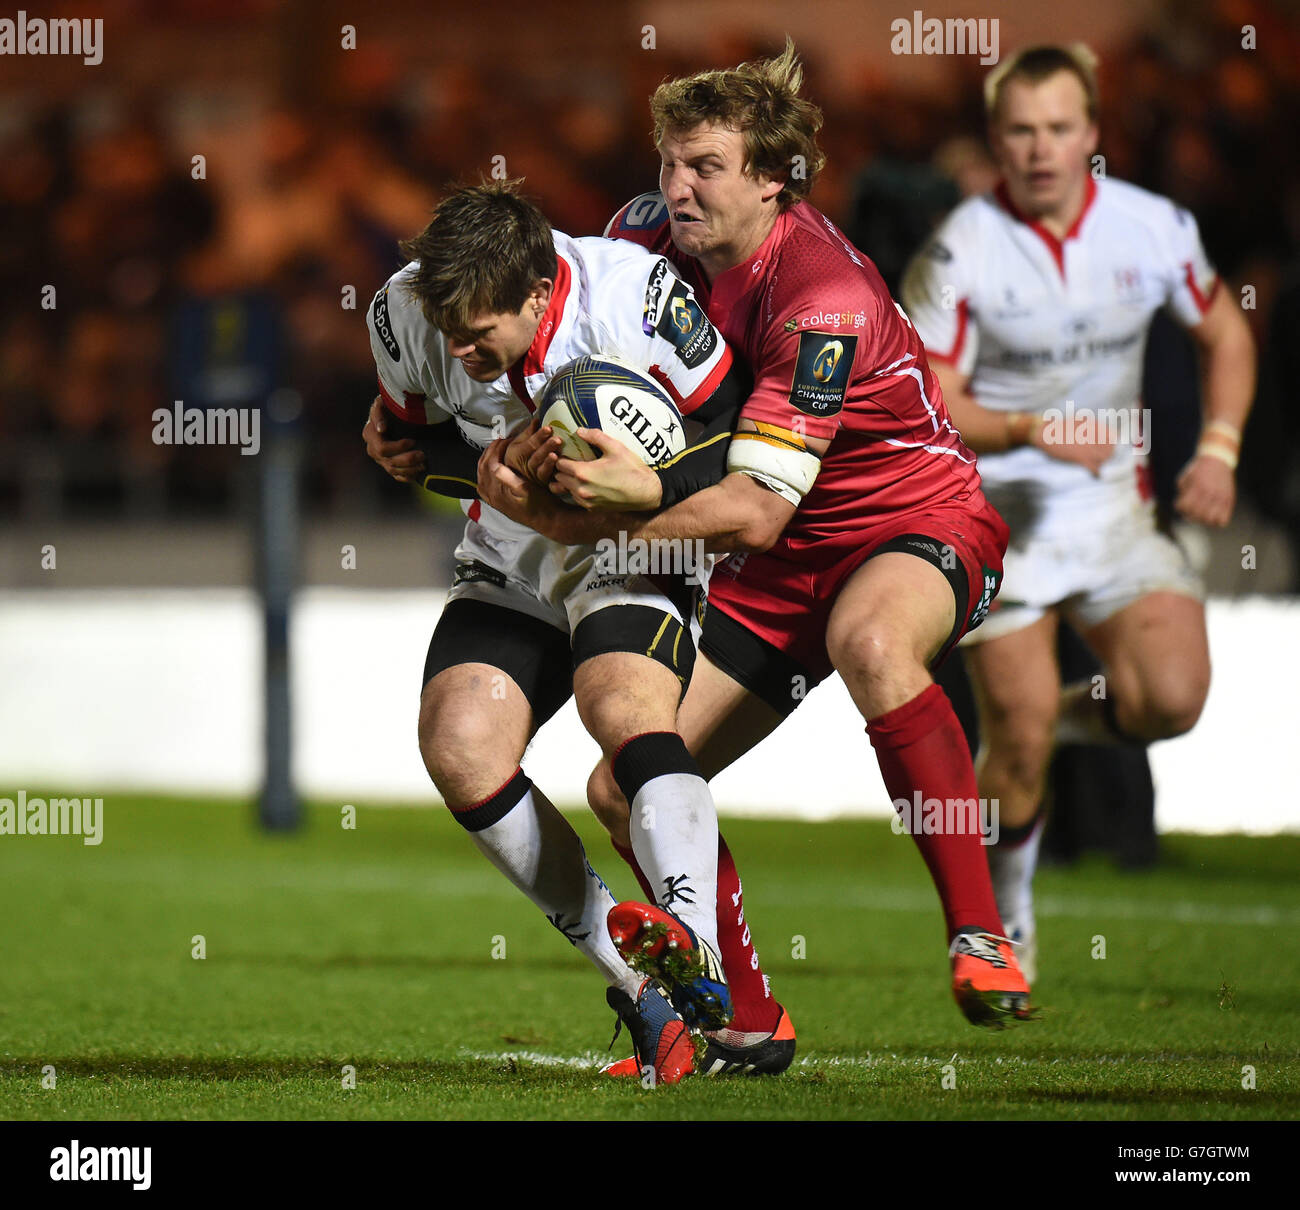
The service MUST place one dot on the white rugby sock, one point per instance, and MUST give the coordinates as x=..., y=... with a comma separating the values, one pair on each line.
x=674, y=828
x=1012, y=867
x=534, y=846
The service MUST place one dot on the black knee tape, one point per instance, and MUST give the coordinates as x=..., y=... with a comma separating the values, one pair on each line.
x=648, y=756
x=495, y=807
x=1013, y=838
x=639, y=630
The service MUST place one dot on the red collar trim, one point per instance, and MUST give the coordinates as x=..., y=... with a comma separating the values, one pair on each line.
x=516, y=376
x=535, y=358
x=1055, y=246
x=534, y=361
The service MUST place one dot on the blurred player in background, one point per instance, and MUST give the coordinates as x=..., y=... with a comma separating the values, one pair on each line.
x=865, y=544
x=1034, y=302
x=465, y=337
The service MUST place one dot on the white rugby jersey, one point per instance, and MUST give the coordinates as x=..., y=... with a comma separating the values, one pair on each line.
x=609, y=297
x=1037, y=323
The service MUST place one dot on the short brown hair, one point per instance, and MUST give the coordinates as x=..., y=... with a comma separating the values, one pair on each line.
x=483, y=250
x=1036, y=64
x=761, y=101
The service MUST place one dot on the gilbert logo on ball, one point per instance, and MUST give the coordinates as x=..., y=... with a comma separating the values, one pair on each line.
x=610, y=394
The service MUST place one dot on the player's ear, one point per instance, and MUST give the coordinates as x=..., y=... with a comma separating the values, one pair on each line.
x=539, y=297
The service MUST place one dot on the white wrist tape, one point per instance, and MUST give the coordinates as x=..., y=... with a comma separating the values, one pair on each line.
x=777, y=464
x=1224, y=429
x=1205, y=450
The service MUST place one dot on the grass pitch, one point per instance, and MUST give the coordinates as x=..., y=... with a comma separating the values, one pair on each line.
x=372, y=949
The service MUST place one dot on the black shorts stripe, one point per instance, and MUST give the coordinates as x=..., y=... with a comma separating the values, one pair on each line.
x=639, y=630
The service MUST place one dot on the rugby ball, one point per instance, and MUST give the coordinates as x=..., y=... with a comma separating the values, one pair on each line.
x=609, y=394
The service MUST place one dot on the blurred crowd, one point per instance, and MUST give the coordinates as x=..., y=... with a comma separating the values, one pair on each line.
x=296, y=202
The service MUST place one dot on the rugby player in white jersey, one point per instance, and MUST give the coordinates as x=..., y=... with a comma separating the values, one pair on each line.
x=1034, y=302
x=465, y=338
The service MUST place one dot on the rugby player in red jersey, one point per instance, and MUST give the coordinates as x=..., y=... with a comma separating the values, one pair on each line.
x=863, y=543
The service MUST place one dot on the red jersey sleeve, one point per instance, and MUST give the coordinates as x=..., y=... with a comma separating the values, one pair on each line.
x=849, y=362
x=815, y=361
x=802, y=380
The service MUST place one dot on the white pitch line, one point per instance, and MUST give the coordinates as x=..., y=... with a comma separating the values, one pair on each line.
x=581, y=1062
x=813, y=1062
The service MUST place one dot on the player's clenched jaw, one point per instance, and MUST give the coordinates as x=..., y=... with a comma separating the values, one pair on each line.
x=718, y=211
x=1043, y=139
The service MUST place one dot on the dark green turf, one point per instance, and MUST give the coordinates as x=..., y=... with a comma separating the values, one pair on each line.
x=373, y=947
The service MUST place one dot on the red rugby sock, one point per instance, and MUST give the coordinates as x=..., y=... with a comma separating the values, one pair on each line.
x=756, y=1010
x=921, y=749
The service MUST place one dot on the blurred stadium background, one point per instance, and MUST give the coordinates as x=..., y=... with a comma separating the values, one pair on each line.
x=131, y=656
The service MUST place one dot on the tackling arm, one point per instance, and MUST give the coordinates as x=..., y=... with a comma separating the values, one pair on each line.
x=738, y=513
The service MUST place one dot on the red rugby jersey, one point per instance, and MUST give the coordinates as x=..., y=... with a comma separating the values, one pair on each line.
x=833, y=356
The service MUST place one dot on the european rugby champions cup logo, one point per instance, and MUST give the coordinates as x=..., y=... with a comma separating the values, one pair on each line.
x=684, y=326
x=824, y=363
x=822, y=368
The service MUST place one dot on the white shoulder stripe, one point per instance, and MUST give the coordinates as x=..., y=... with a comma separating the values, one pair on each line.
x=913, y=372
